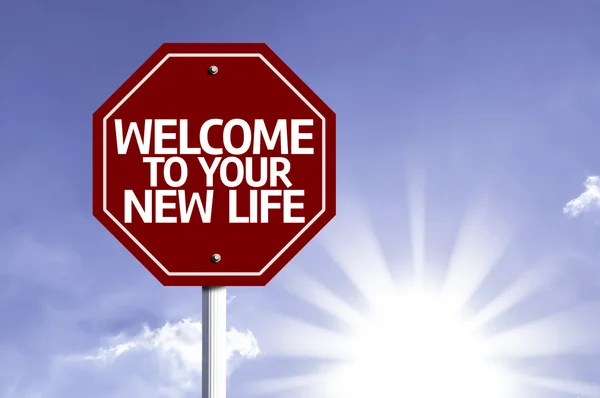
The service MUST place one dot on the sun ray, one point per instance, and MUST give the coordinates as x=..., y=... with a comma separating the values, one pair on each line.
x=561, y=333
x=353, y=245
x=292, y=337
x=417, y=222
x=526, y=285
x=319, y=296
x=479, y=246
x=576, y=388
x=282, y=384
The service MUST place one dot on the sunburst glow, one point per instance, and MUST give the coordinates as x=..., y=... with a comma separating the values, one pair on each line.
x=415, y=341
x=416, y=347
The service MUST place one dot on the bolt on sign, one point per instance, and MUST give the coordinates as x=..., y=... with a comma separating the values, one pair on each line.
x=214, y=164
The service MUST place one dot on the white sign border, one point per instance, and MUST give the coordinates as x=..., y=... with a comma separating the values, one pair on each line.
x=138, y=243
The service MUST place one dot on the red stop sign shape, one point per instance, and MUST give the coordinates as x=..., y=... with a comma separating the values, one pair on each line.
x=214, y=164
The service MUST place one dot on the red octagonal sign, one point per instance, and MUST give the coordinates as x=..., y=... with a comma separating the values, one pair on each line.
x=214, y=164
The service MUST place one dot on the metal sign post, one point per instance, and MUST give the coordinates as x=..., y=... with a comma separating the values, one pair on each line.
x=214, y=368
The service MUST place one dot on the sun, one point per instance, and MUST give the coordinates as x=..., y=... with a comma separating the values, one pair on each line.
x=413, y=339
x=417, y=347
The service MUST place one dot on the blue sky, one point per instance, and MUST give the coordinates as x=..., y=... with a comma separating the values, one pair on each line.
x=469, y=113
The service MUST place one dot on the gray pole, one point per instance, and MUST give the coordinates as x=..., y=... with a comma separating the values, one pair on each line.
x=214, y=370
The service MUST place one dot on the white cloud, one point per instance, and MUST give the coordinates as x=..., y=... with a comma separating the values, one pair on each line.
x=168, y=358
x=164, y=362
x=588, y=200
